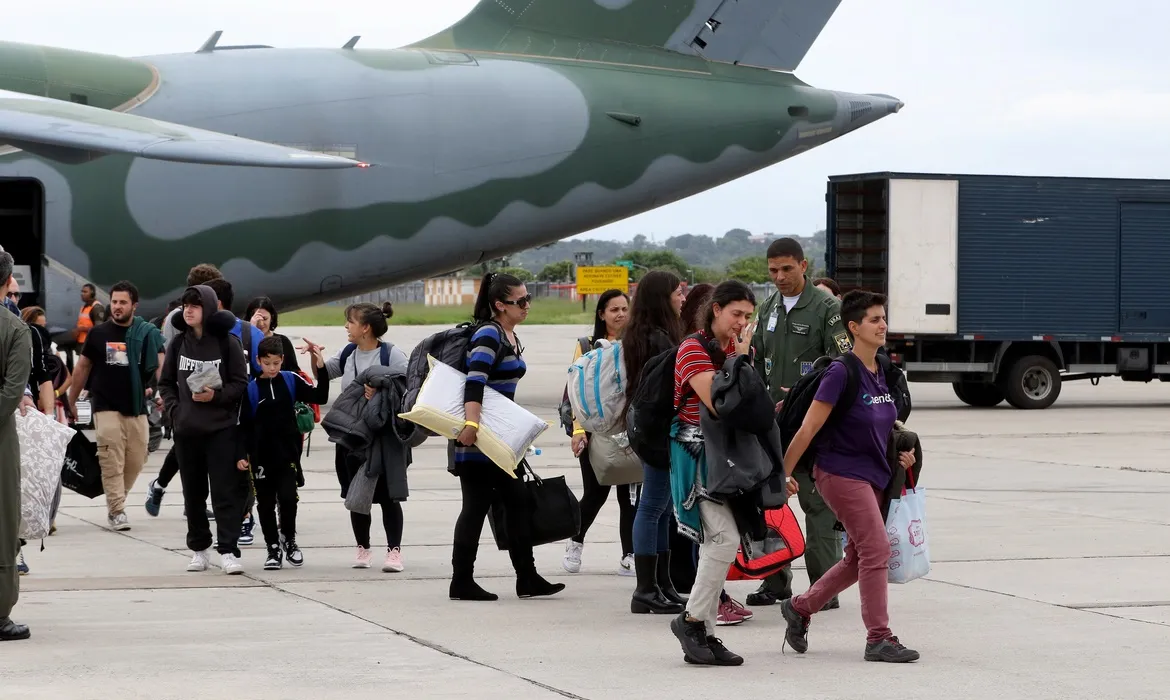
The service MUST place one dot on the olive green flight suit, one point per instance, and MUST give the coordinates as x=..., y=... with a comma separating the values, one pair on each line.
x=786, y=345
x=15, y=365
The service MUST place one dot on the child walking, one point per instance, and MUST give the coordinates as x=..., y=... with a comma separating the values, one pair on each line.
x=270, y=444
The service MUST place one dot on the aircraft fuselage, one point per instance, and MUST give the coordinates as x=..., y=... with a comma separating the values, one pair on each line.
x=473, y=155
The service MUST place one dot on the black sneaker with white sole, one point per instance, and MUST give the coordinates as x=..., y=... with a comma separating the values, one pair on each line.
x=293, y=553
x=154, y=498
x=246, y=536
x=275, y=558
x=890, y=651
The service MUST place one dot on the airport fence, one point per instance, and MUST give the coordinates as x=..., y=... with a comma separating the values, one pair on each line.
x=416, y=293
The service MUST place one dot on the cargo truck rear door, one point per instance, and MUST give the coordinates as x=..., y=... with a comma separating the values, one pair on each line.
x=1145, y=267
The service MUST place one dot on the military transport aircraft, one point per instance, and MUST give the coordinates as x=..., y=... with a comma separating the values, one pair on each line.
x=315, y=174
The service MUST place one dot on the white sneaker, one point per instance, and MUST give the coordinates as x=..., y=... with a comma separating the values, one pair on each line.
x=572, y=560
x=200, y=561
x=230, y=564
x=626, y=568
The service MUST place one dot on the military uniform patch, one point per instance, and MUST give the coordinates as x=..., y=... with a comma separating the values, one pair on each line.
x=805, y=368
x=835, y=320
x=800, y=328
x=843, y=344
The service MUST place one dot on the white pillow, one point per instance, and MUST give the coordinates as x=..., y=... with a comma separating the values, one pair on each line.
x=506, y=429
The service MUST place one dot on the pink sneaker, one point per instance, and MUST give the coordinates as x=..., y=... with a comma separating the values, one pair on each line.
x=728, y=615
x=393, y=560
x=740, y=609
x=363, y=558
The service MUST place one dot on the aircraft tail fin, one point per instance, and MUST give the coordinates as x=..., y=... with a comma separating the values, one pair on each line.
x=774, y=34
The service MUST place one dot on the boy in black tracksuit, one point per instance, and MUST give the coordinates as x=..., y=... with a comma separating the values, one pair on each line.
x=205, y=424
x=269, y=442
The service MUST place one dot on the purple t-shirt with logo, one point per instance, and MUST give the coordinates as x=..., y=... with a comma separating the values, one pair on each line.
x=856, y=449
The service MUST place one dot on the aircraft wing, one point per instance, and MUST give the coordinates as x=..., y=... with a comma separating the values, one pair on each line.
x=75, y=133
x=773, y=34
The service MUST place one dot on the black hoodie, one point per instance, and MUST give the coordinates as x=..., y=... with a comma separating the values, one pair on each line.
x=187, y=354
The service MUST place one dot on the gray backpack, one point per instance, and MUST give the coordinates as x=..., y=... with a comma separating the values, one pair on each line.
x=566, y=408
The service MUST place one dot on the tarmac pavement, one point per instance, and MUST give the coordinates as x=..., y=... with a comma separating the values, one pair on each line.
x=1049, y=534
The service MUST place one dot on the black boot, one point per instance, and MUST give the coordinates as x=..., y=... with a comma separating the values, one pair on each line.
x=11, y=632
x=532, y=585
x=463, y=585
x=647, y=596
x=664, y=582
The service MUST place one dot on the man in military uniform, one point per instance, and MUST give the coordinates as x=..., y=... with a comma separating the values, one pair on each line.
x=15, y=365
x=796, y=325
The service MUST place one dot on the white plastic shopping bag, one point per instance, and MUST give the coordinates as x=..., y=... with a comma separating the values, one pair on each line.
x=506, y=428
x=43, y=442
x=909, y=545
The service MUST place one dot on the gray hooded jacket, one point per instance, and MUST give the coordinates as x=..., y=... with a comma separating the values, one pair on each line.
x=372, y=429
x=738, y=460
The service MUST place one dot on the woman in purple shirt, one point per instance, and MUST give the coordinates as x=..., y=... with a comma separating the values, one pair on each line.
x=852, y=470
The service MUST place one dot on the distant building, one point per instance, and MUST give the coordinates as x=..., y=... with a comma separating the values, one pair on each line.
x=451, y=291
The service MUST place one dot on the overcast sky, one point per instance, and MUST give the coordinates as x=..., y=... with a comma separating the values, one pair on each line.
x=1041, y=87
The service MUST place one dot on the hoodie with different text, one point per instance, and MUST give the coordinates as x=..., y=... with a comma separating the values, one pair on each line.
x=188, y=354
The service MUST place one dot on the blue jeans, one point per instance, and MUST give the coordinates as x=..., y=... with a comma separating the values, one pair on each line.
x=652, y=521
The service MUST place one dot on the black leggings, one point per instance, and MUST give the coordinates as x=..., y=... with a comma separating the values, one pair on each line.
x=595, y=497
x=391, y=522
x=482, y=484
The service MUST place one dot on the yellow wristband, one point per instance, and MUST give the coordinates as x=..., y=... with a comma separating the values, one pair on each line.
x=578, y=431
x=471, y=424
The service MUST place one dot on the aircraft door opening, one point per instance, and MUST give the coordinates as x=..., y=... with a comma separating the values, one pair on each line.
x=22, y=234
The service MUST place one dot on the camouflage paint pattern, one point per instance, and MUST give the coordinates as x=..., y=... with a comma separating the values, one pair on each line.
x=478, y=149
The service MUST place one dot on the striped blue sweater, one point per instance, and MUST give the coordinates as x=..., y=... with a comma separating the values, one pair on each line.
x=491, y=361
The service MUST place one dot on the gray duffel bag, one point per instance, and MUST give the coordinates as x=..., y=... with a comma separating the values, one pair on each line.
x=613, y=462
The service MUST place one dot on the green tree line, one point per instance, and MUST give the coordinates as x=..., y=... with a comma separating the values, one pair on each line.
x=693, y=258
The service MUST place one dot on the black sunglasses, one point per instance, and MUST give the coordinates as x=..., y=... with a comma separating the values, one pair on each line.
x=14, y=295
x=521, y=302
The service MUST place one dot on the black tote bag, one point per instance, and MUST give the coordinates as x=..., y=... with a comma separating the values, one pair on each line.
x=81, y=472
x=554, y=513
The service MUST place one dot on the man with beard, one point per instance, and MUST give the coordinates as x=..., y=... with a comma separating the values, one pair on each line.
x=124, y=356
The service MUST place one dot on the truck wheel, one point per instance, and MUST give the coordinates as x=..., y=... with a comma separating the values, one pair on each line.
x=978, y=394
x=1032, y=382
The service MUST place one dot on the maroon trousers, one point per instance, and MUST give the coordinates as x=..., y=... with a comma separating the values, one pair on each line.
x=857, y=505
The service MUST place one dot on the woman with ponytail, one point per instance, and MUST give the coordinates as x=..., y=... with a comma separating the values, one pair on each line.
x=365, y=324
x=494, y=359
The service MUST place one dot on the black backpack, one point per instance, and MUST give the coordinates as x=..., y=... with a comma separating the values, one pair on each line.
x=897, y=383
x=450, y=347
x=650, y=411
x=800, y=398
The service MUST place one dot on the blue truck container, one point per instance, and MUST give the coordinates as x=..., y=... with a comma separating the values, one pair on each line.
x=1008, y=286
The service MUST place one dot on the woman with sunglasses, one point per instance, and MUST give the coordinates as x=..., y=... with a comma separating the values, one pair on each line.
x=494, y=359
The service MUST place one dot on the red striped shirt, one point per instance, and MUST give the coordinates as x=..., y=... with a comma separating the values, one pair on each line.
x=692, y=360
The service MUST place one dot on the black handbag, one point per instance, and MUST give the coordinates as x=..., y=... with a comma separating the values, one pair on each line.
x=81, y=472
x=554, y=514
